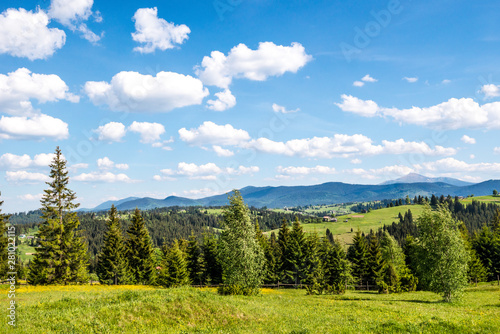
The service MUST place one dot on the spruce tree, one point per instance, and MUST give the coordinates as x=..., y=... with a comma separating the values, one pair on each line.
x=112, y=267
x=271, y=253
x=4, y=267
x=285, y=262
x=336, y=267
x=139, y=250
x=62, y=254
x=296, y=250
x=358, y=255
x=194, y=258
x=174, y=270
x=212, y=273
x=241, y=257
x=314, y=270
x=375, y=260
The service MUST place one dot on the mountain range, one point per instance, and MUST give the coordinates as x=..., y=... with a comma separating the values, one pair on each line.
x=326, y=193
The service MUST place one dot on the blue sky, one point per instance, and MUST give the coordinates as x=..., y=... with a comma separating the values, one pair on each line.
x=195, y=98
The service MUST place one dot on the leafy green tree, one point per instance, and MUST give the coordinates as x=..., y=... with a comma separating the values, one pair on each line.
x=112, y=266
x=139, y=250
x=241, y=257
x=495, y=192
x=62, y=254
x=357, y=253
x=174, y=270
x=194, y=260
x=442, y=256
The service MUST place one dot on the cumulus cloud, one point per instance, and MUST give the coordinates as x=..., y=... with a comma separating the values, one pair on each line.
x=258, y=65
x=30, y=197
x=156, y=33
x=208, y=171
x=496, y=150
x=356, y=161
x=445, y=81
x=222, y=152
x=468, y=140
x=302, y=171
x=283, y=110
x=107, y=177
x=451, y=115
x=341, y=145
x=358, y=83
x=450, y=165
x=25, y=34
x=19, y=87
x=112, y=132
x=368, y=78
x=24, y=176
x=135, y=92
x=73, y=14
x=36, y=127
x=490, y=91
x=150, y=132
x=225, y=100
x=373, y=173
x=106, y=163
x=410, y=79
x=13, y=161
x=210, y=133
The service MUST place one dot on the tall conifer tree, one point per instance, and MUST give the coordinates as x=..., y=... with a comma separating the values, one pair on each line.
x=139, y=250
x=194, y=260
x=174, y=269
x=62, y=254
x=3, y=244
x=112, y=267
x=358, y=255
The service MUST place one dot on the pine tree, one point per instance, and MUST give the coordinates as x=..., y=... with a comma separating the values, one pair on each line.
x=139, y=250
x=174, y=271
x=271, y=253
x=3, y=244
x=194, y=260
x=358, y=255
x=241, y=257
x=375, y=260
x=285, y=262
x=296, y=250
x=112, y=266
x=313, y=265
x=62, y=254
x=337, y=268
x=212, y=269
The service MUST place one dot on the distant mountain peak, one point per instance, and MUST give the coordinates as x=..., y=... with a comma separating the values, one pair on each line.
x=417, y=178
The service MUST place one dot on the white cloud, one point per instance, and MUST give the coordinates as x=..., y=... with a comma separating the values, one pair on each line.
x=78, y=166
x=200, y=193
x=163, y=144
x=472, y=156
x=368, y=78
x=302, y=171
x=490, y=91
x=358, y=83
x=37, y=127
x=112, y=132
x=356, y=161
x=208, y=171
x=23, y=176
x=222, y=152
x=12, y=161
x=411, y=79
x=210, y=133
x=107, y=177
x=242, y=62
x=106, y=163
x=452, y=114
x=25, y=34
x=341, y=145
x=19, y=87
x=73, y=13
x=468, y=140
x=373, y=173
x=150, y=132
x=445, y=81
x=30, y=197
x=496, y=150
x=357, y=106
x=283, y=110
x=451, y=165
x=225, y=100
x=134, y=92
x=156, y=33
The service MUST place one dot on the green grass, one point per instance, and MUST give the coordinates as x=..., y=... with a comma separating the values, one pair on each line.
x=486, y=199
x=25, y=248
x=370, y=221
x=142, y=309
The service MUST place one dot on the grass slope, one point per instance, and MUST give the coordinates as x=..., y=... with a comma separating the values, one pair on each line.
x=143, y=309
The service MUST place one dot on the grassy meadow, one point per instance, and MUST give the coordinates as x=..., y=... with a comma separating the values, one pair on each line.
x=144, y=309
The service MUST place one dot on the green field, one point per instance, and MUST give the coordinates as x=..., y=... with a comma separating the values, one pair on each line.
x=364, y=221
x=143, y=309
x=486, y=199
